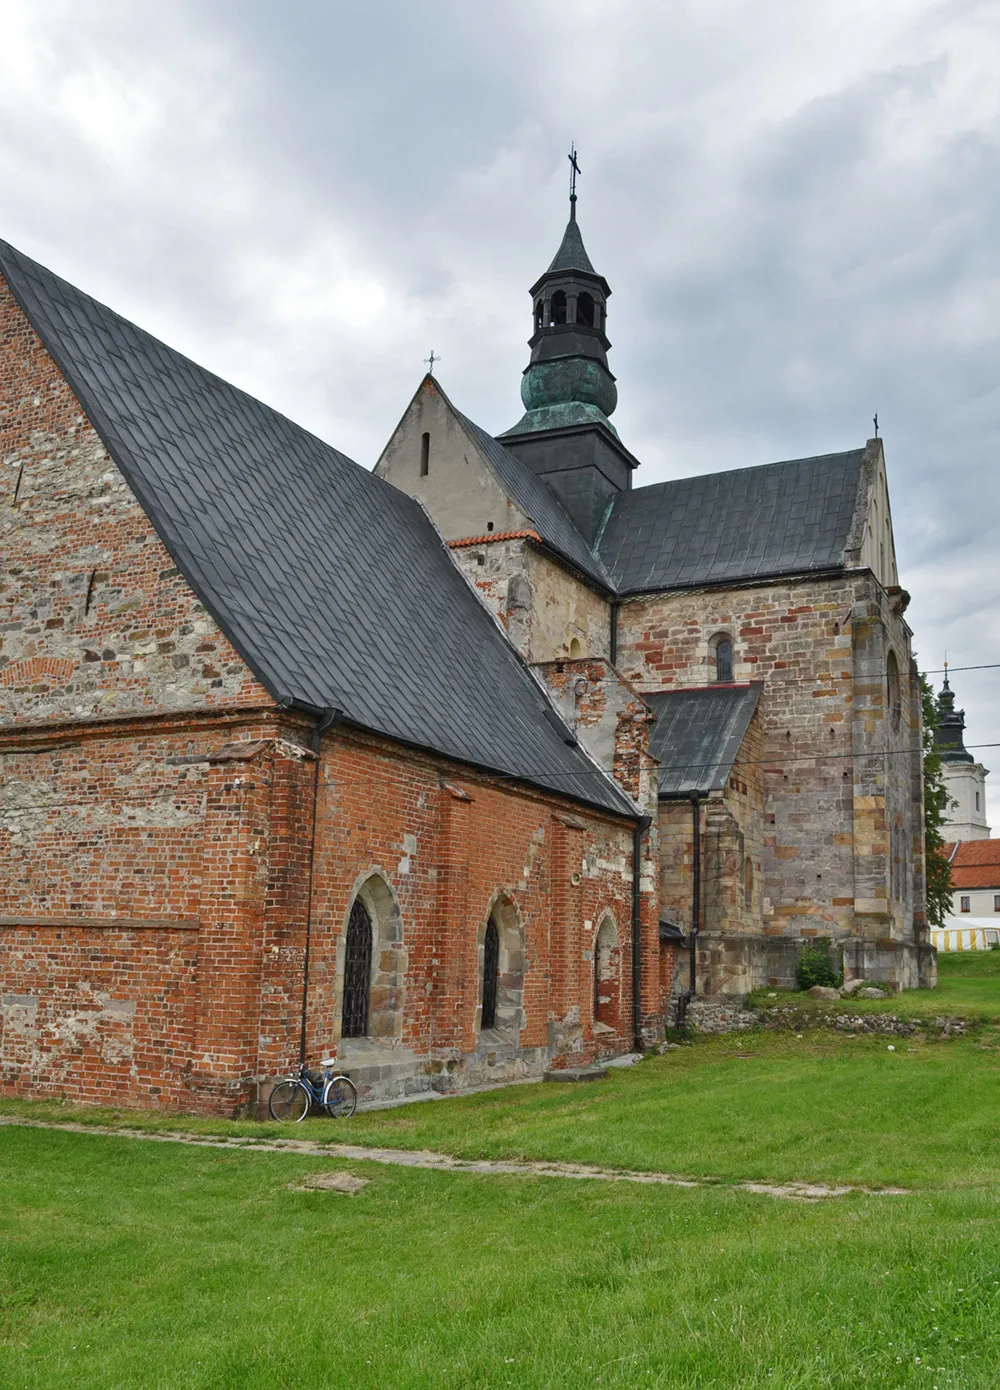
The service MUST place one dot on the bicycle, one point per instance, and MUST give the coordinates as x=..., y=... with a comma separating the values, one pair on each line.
x=293, y=1098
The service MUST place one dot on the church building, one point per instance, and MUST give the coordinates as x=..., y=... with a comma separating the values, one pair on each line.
x=484, y=764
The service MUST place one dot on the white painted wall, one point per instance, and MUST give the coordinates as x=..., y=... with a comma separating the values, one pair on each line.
x=966, y=783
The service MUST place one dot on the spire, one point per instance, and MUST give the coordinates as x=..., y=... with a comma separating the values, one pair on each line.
x=572, y=254
x=567, y=381
x=950, y=737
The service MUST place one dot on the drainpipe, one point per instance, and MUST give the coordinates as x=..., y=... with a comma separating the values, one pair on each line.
x=695, y=889
x=325, y=719
x=642, y=825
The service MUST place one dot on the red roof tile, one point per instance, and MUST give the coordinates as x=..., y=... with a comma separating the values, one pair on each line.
x=976, y=864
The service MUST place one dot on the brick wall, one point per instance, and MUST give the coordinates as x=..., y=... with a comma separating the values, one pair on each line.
x=153, y=923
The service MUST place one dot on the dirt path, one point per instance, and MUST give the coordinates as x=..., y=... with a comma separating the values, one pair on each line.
x=424, y=1158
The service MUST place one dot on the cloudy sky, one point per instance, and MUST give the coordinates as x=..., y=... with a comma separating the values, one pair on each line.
x=797, y=206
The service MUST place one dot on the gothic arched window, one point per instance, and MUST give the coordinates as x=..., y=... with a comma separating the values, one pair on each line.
x=357, y=973
x=558, y=307
x=491, y=975
x=585, y=309
x=724, y=660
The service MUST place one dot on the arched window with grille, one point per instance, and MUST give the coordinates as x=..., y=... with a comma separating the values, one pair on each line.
x=491, y=975
x=724, y=660
x=357, y=973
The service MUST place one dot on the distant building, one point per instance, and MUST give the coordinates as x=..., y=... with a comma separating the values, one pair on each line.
x=975, y=879
x=964, y=777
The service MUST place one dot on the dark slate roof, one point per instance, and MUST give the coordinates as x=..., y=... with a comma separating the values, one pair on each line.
x=332, y=584
x=572, y=254
x=783, y=518
x=697, y=735
x=537, y=500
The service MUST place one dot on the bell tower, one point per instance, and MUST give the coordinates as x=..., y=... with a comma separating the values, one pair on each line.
x=965, y=779
x=568, y=391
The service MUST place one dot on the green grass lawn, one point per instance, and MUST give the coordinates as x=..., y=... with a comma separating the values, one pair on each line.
x=968, y=987
x=823, y=1108
x=135, y=1264
x=125, y=1263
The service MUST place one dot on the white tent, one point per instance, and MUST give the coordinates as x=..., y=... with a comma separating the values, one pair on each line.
x=966, y=933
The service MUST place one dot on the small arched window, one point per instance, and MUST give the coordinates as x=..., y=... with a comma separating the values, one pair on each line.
x=748, y=883
x=425, y=454
x=585, y=309
x=357, y=973
x=575, y=647
x=540, y=315
x=724, y=660
x=977, y=801
x=892, y=690
x=491, y=975
x=558, y=307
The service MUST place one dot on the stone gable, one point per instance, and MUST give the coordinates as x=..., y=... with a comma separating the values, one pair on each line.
x=95, y=618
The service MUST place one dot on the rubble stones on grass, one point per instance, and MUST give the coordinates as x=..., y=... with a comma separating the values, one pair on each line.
x=871, y=992
x=714, y=1017
x=824, y=992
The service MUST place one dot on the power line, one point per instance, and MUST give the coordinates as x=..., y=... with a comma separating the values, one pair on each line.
x=990, y=666
x=820, y=755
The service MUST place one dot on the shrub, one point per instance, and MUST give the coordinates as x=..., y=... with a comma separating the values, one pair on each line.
x=815, y=967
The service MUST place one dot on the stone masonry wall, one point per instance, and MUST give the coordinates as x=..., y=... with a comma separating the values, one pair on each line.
x=837, y=774
x=95, y=619
x=544, y=609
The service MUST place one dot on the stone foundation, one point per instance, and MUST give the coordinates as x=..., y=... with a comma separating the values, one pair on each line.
x=733, y=966
x=384, y=1074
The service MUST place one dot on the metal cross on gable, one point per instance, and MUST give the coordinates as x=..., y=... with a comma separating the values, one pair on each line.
x=430, y=362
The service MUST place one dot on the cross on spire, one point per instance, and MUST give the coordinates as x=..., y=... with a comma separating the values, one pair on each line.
x=574, y=169
x=430, y=362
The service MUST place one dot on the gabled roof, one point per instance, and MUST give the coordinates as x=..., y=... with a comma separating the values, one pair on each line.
x=538, y=502
x=783, y=518
x=697, y=735
x=332, y=585
x=974, y=863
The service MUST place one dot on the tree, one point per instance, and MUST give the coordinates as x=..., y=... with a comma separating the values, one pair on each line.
x=936, y=804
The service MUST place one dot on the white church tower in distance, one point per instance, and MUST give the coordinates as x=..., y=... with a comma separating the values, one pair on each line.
x=964, y=777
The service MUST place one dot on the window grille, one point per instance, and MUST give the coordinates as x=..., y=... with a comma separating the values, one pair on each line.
x=724, y=661
x=357, y=973
x=491, y=971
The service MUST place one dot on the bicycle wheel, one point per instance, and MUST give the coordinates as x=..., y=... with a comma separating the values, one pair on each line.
x=289, y=1101
x=340, y=1097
